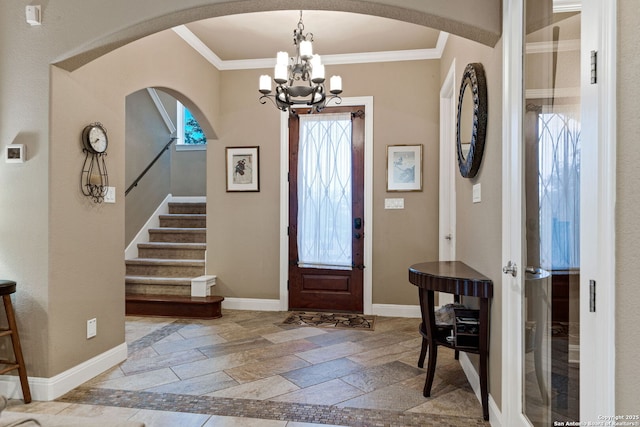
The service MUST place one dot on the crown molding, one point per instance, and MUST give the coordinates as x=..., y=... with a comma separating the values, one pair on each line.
x=560, y=6
x=352, y=58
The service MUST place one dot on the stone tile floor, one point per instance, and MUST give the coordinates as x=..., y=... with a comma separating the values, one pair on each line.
x=248, y=369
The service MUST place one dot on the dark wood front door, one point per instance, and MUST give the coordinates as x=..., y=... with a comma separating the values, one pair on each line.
x=322, y=286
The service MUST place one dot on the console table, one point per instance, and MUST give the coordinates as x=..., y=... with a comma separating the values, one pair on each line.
x=453, y=277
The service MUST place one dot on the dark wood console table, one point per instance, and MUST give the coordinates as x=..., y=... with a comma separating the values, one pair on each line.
x=453, y=277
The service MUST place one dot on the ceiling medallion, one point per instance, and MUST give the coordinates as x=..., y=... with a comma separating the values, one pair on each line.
x=300, y=80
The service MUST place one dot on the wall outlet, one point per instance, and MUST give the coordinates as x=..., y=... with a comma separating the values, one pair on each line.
x=110, y=196
x=92, y=328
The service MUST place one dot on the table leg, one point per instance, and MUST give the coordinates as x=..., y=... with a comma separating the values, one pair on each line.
x=429, y=321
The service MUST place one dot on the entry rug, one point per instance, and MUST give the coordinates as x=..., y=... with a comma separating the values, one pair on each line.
x=331, y=320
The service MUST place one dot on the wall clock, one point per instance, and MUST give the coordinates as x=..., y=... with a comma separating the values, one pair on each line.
x=94, y=179
x=94, y=137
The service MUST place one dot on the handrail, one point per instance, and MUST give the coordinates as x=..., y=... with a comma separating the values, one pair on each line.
x=144, y=172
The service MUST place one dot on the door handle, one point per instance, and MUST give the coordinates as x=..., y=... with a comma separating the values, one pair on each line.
x=357, y=223
x=511, y=268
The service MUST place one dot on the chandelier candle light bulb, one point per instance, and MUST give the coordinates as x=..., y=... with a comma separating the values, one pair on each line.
x=317, y=73
x=336, y=84
x=265, y=84
x=282, y=58
x=306, y=49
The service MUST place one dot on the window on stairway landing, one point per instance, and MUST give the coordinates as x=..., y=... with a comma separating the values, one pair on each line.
x=189, y=133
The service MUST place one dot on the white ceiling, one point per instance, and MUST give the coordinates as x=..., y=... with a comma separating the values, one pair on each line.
x=252, y=40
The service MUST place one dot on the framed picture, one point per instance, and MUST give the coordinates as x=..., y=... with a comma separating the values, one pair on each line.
x=243, y=169
x=15, y=153
x=404, y=167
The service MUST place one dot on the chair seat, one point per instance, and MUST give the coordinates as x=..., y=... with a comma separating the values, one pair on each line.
x=7, y=287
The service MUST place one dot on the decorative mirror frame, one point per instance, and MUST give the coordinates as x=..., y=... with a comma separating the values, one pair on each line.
x=474, y=78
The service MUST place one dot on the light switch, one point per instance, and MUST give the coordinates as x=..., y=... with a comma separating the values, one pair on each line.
x=394, y=203
x=477, y=193
x=110, y=195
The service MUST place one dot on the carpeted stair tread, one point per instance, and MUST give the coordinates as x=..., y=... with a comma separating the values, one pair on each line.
x=184, y=216
x=188, y=207
x=155, y=280
x=172, y=245
x=165, y=261
x=178, y=230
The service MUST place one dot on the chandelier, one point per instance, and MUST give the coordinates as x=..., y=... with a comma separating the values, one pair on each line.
x=300, y=80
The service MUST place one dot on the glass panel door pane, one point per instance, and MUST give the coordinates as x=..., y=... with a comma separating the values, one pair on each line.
x=550, y=301
x=325, y=191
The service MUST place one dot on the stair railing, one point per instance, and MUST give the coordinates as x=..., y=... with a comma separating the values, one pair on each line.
x=153, y=162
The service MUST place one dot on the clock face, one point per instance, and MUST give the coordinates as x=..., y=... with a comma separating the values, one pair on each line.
x=97, y=139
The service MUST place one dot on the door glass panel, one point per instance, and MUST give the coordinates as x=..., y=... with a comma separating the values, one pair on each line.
x=325, y=191
x=550, y=301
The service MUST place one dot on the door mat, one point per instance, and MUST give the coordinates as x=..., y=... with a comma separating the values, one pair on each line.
x=331, y=320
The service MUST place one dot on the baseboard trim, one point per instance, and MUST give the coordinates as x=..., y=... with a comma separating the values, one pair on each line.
x=46, y=389
x=495, y=415
x=251, y=304
x=394, y=310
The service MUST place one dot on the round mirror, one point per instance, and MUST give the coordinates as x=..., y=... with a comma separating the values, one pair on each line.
x=471, y=126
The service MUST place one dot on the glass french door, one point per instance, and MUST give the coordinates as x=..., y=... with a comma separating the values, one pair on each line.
x=550, y=300
x=558, y=211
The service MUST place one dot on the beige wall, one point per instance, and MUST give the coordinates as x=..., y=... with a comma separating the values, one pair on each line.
x=627, y=207
x=145, y=136
x=87, y=240
x=243, y=228
x=479, y=225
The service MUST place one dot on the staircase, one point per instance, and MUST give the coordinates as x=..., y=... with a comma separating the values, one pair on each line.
x=158, y=282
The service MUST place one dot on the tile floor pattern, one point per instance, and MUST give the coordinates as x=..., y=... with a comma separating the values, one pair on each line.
x=248, y=369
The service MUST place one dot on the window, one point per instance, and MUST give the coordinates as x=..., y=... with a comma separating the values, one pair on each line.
x=325, y=191
x=559, y=184
x=189, y=133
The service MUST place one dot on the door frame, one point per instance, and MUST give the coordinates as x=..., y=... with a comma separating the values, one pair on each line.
x=367, y=285
x=447, y=192
x=597, y=355
x=448, y=169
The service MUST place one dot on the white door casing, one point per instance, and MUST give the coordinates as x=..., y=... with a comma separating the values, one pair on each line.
x=447, y=192
x=367, y=295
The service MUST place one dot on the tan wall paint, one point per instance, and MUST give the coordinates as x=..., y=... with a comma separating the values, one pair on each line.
x=627, y=207
x=87, y=240
x=472, y=19
x=479, y=226
x=145, y=136
x=243, y=231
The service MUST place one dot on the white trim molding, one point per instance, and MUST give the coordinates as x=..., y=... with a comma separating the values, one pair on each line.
x=256, y=304
x=495, y=415
x=171, y=127
x=352, y=58
x=394, y=310
x=47, y=389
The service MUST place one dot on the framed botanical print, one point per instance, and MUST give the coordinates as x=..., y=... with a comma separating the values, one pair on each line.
x=404, y=167
x=243, y=169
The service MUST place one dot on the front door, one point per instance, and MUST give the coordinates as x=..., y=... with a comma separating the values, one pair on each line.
x=326, y=210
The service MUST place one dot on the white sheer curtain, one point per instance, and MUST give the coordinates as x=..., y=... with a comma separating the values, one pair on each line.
x=559, y=183
x=324, y=191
